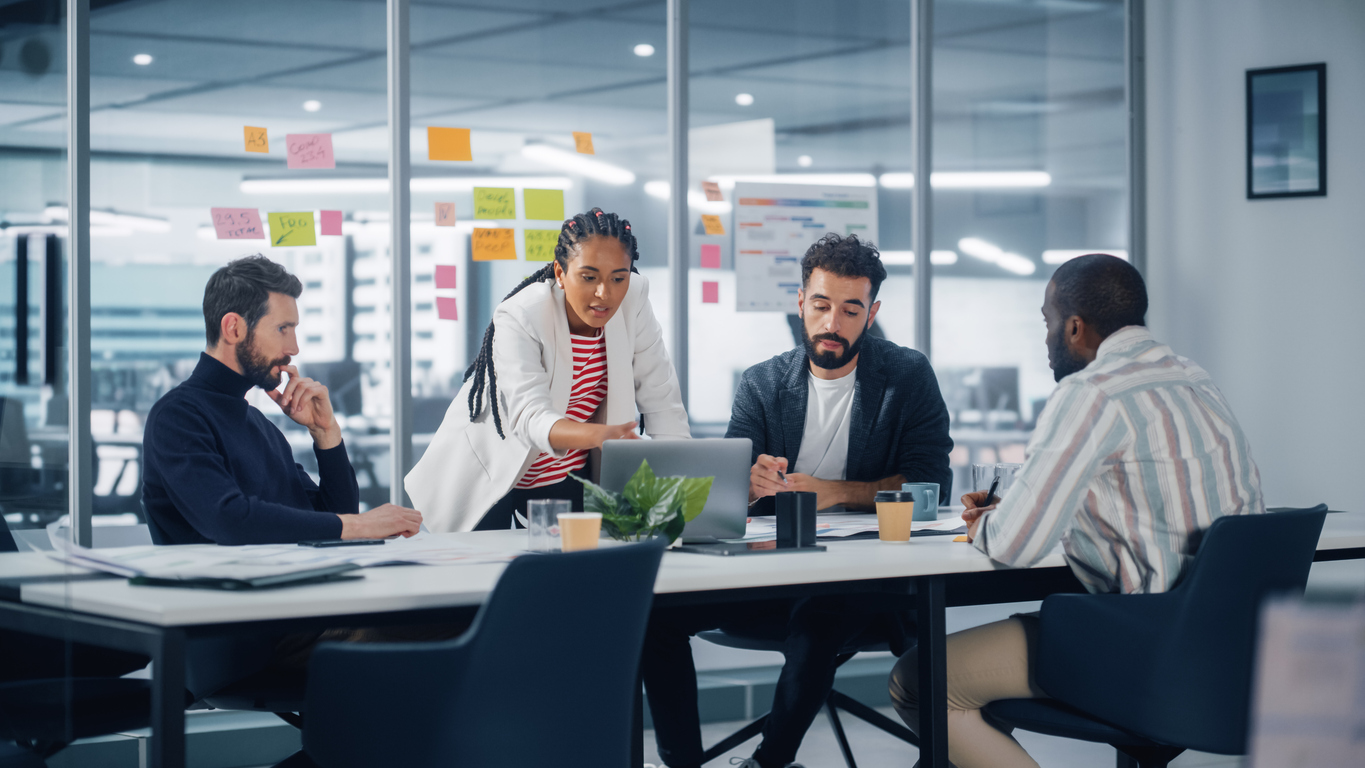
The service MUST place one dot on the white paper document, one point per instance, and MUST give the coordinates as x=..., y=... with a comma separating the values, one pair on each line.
x=841, y=526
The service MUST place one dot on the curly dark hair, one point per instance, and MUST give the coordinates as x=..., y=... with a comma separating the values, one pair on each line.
x=1104, y=291
x=845, y=257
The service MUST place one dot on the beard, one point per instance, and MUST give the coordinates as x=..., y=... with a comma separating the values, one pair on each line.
x=257, y=367
x=1063, y=361
x=831, y=360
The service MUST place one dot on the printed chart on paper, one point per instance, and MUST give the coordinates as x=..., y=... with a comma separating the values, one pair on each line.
x=774, y=224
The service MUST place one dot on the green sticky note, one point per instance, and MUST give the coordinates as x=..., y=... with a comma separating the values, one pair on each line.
x=545, y=204
x=540, y=243
x=495, y=203
x=287, y=229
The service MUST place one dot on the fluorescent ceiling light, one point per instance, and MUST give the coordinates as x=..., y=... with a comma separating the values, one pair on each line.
x=142, y=59
x=312, y=105
x=661, y=190
x=644, y=49
x=381, y=186
x=832, y=179
x=971, y=180
x=805, y=161
x=579, y=164
x=907, y=258
x=744, y=99
x=1061, y=256
x=112, y=220
x=994, y=254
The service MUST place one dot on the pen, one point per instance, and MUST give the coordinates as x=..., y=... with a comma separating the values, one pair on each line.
x=782, y=477
x=991, y=493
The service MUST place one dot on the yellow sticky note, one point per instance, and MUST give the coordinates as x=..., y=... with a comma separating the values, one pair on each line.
x=448, y=144
x=583, y=143
x=711, y=223
x=545, y=204
x=540, y=244
x=494, y=244
x=961, y=538
x=287, y=229
x=256, y=140
x=495, y=203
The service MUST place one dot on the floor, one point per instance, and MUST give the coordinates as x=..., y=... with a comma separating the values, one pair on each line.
x=874, y=749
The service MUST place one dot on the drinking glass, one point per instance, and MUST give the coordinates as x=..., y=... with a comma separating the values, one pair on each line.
x=1007, y=473
x=982, y=475
x=543, y=517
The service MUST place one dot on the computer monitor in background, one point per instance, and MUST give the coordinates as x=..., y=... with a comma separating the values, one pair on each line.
x=342, y=379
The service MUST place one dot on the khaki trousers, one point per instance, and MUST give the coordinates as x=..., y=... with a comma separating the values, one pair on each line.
x=985, y=663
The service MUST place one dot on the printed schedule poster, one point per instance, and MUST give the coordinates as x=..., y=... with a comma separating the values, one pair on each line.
x=774, y=224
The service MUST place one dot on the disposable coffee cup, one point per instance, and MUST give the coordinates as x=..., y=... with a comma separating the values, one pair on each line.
x=895, y=511
x=579, y=530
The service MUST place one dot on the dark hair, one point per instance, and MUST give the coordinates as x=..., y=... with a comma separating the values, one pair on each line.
x=845, y=257
x=1105, y=291
x=574, y=232
x=244, y=286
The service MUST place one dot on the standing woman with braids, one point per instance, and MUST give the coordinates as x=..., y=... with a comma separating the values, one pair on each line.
x=571, y=354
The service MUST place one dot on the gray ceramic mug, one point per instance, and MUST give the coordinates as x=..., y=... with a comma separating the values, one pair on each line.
x=926, y=500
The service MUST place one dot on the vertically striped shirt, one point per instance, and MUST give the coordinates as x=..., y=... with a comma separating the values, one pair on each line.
x=1132, y=456
x=588, y=390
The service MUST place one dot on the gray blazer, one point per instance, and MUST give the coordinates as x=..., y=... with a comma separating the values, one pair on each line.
x=900, y=423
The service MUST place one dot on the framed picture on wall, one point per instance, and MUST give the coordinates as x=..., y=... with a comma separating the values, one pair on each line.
x=1287, y=131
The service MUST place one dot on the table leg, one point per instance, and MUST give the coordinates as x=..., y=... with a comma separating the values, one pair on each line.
x=933, y=672
x=167, y=748
x=637, y=727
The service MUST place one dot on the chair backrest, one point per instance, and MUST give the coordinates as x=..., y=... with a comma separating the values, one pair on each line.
x=545, y=676
x=7, y=543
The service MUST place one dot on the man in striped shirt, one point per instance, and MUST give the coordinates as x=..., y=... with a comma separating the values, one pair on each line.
x=1135, y=453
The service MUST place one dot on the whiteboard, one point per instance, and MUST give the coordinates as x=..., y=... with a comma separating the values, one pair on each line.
x=774, y=224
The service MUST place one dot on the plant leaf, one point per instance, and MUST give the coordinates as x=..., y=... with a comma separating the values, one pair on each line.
x=674, y=528
x=599, y=499
x=640, y=487
x=695, y=491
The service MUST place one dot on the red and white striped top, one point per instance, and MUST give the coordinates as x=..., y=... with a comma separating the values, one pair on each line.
x=588, y=391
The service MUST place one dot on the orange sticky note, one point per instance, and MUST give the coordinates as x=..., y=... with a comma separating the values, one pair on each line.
x=448, y=144
x=256, y=140
x=961, y=538
x=712, y=190
x=494, y=244
x=710, y=292
x=447, y=309
x=711, y=223
x=583, y=143
x=445, y=214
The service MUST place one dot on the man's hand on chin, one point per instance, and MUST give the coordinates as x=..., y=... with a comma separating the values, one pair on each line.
x=308, y=403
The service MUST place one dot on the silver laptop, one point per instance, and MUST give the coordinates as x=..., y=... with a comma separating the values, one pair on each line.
x=726, y=459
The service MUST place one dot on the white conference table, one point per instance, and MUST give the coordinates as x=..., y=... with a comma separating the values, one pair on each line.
x=42, y=596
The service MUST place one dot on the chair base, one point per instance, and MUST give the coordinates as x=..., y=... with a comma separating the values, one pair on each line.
x=1146, y=757
x=836, y=701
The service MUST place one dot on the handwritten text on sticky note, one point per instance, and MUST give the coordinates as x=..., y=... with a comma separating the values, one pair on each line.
x=711, y=224
x=710, y=257
x=310, y=150
x=237, y=223
x=445, y=276
x=495, y=203
x=289, y=229
x=710, y=292
x=544, y=204
x=583, y=143
x=445, y=214
x=712, y=190
x=540, y=244
x=448, y=144
x=447, y=309
x=494, y=244
x=256, y=140
x=331, y=223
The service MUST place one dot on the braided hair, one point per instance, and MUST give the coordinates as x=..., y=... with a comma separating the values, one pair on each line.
x=574, y=232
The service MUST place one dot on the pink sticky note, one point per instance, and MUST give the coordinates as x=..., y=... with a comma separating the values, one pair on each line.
x=710, y=292
x=445, y=276
x=446, y=309
x=710, y=257
x=237, y=223
x=331, y=222
x=310, y=150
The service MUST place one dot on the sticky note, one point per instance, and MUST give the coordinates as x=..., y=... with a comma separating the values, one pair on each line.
x=583, y=143
x=445, y=214
x=712, y=190
x=710, y=292
x=448, y=144
x=288, y=229
x=540, y=244
x=256, y=140
x=237, y=223
x=310, y=150
x=446, y=308
x=495, y=203
x=331, y=222
x=544, y=204
x=445, y=276
x=710, y=257
x=711, y=223
x=494, y=244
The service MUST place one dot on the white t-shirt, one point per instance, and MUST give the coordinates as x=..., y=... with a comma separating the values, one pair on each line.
x=824, y=443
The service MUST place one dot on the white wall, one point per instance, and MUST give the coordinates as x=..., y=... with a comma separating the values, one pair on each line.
x=1265, y=294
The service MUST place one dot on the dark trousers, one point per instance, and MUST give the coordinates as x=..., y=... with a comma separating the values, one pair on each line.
x=814, y=633
x=499, y=517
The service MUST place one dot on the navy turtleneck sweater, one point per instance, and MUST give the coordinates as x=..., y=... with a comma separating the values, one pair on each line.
x=215, y=470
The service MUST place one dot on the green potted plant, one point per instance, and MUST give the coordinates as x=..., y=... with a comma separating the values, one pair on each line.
x=648, y=506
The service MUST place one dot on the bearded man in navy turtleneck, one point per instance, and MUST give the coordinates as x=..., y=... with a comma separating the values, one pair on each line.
x=216, y=469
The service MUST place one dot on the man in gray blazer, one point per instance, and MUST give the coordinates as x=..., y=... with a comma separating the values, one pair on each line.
x=845, y=415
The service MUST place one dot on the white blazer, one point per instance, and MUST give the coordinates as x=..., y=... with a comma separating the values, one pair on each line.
x=468, y=468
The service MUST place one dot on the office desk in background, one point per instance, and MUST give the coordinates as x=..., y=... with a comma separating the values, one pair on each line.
x=43, y=597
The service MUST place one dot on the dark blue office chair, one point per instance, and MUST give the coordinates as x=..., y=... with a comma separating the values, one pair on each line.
x=546, y=676
x=1154, y=675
